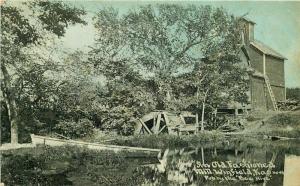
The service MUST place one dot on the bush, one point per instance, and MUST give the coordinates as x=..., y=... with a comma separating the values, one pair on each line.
x=293, y=94
x=82, y=128
x=281, y=119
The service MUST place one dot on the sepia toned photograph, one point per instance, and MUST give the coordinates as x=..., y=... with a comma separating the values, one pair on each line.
x=150, y=93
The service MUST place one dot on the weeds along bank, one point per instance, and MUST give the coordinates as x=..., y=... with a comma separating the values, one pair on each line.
x=69, y=166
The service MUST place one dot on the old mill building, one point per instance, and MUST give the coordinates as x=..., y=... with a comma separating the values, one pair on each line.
x=267, y=83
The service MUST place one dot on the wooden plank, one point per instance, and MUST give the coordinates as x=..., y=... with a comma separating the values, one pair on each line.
x=167, y=121
x=182, y=119
x=191, y=128
x=187, y=113
x=149, y=116
x=157, y=125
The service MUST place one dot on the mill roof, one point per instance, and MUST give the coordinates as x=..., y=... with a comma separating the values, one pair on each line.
x=266, y=49
x=248, y=20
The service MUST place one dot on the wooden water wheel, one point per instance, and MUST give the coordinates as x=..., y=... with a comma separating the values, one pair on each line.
x=165, y=122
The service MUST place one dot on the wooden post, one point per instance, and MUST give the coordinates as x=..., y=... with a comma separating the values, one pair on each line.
x=215, y=151
x=197, y=123
x=162, y=129
x=202, y=155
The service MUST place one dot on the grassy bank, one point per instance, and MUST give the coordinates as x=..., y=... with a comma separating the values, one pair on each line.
x=162, y=141
x=285, y=124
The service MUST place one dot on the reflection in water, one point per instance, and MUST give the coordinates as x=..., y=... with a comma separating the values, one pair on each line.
x=260, y=166
x=213, y=164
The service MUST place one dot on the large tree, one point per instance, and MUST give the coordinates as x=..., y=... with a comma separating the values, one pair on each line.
x=26, y=27
x=185, y=56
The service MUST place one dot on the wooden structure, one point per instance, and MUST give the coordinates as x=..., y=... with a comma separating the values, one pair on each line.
x=267, y=83
x=167, y=122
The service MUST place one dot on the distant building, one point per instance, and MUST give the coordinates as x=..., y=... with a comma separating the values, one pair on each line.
x=267, y=84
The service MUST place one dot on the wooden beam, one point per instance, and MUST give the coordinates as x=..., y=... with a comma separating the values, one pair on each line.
x=149, y=116
x=145, y=126
x=157, y=125
x=166, y=119
x=167, y=123
x=162, y=129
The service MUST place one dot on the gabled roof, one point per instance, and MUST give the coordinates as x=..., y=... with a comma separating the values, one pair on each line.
x=248, y=20
x=266, y=49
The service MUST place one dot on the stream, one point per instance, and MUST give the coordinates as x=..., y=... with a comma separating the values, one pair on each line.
x=232, y=163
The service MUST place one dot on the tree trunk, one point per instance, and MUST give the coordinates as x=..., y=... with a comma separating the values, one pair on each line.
x=202, y=116
x=203, y=110
x=10, y=101
x=13, y=121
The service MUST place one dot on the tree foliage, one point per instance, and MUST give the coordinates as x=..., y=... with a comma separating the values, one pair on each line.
x=165, y=57
x=180, y=56
x=25, y=29
x=293, y=94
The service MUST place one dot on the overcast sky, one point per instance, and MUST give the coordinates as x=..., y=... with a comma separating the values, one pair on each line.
x=277, y=25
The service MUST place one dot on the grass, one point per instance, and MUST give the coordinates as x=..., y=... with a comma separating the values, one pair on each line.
x=285, y=124
x=162, y=141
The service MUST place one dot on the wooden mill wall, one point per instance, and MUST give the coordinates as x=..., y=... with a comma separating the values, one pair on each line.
x=256, y=59
x=260, y=97
x=258, y=93
x=275, y=72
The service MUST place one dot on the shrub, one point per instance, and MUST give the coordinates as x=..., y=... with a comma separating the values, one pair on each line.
x=82, y=128
x=281, y=119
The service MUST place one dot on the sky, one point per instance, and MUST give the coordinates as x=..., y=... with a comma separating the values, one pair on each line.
x=277, y=25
